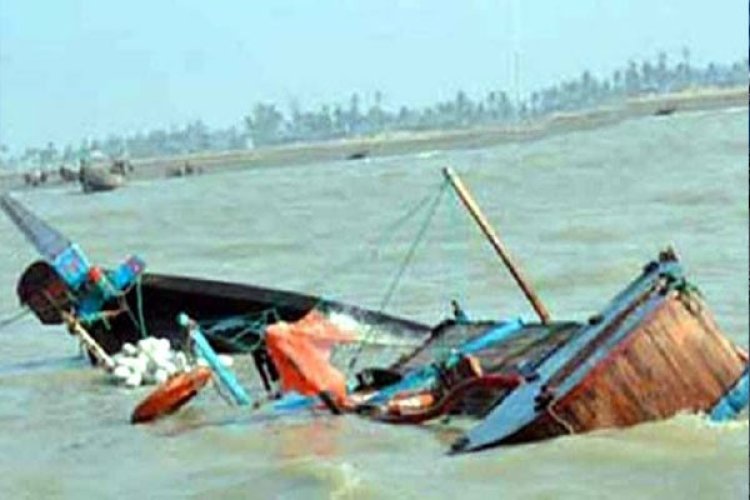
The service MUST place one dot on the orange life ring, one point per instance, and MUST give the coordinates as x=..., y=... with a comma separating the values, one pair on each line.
x=171, y=395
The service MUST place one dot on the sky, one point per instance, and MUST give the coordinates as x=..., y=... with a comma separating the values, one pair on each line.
x=71, y=69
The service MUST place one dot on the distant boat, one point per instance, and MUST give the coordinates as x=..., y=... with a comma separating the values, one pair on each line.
x=121, y=167
x=665, y=110
x=95, y=179
x=35, y=177
x=68, y=174
x=358, y=155
x=184, y=170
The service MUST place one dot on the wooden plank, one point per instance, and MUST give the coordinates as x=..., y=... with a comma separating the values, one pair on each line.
x=676, y=360
x=617, y=364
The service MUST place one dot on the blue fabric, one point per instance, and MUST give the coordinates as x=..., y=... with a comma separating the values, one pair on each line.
x=294, y=401
x=733, y=402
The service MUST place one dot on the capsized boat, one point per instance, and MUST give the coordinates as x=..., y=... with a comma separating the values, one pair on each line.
x=126, y=303
x=653, y=351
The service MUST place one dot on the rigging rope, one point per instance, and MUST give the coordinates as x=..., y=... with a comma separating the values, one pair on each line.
x=139, y=304
x=384, y=236
x=400, y=272
x=13, y=318
x=413, y=247
x=252, y=324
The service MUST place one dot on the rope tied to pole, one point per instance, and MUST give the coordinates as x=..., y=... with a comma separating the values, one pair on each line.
x=384, y=236
x=476, y=213
x=390, y=291
x=139, y=305
x=413, y=247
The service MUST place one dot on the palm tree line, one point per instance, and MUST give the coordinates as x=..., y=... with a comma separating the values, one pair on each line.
x=267, y=125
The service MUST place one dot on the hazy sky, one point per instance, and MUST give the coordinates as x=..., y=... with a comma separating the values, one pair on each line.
x=75, y=68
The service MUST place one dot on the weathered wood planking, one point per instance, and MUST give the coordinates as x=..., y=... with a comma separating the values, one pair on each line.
x=675, y=360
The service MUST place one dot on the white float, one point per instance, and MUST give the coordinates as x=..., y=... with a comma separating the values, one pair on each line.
x=152, y=361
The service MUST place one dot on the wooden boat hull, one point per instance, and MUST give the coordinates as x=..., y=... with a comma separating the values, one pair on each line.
x=97, y=180
x=677, y=360
x=160, y=298
x=519, y=353
x=653, y=352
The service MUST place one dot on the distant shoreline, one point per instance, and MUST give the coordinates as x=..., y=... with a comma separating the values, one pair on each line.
x=406, y=142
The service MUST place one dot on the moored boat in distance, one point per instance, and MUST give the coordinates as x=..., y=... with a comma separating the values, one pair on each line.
x=666, y=110
x=94, y=180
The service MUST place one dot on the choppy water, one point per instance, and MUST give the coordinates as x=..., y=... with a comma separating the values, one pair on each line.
x=581, y=212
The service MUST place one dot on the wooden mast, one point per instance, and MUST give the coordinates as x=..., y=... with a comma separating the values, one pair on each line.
x=476, y=213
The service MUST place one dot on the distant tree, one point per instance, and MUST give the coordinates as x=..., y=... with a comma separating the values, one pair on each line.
x=712, y=75
x=535, y=103
x=686, y=57
x=197, y=136
x=683, y=71
x=339, y=121
x=264, y=124
x=648, y=77
x=491, y=107
x=588, y=88
x=662, y=71
x=376, y=117
x=48, y=154
x=4, y=159
x=463, y=109
x=632, y=79
x=113, y=146
x=68, y=154
x=354, y=117
x=617, y=81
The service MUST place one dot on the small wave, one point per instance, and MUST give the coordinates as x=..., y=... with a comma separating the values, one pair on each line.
x=582, y=234
x=687, y=198
x=43, y=365
x=340, y=479
x=426, y=155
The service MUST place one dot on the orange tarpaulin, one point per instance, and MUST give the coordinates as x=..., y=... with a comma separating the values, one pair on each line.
x=301, y=353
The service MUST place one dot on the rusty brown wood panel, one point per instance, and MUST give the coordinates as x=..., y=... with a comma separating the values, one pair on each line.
x=671, y=379
x=675, y=360
x=708, y=347
x=681, y=371
x=609, y=330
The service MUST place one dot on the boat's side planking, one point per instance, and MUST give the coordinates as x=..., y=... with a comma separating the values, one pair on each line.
x=675, y=360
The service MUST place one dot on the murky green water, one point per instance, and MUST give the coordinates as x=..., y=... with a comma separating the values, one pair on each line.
x=581, y=212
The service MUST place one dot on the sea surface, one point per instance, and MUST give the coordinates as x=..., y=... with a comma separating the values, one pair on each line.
x=580, y=212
